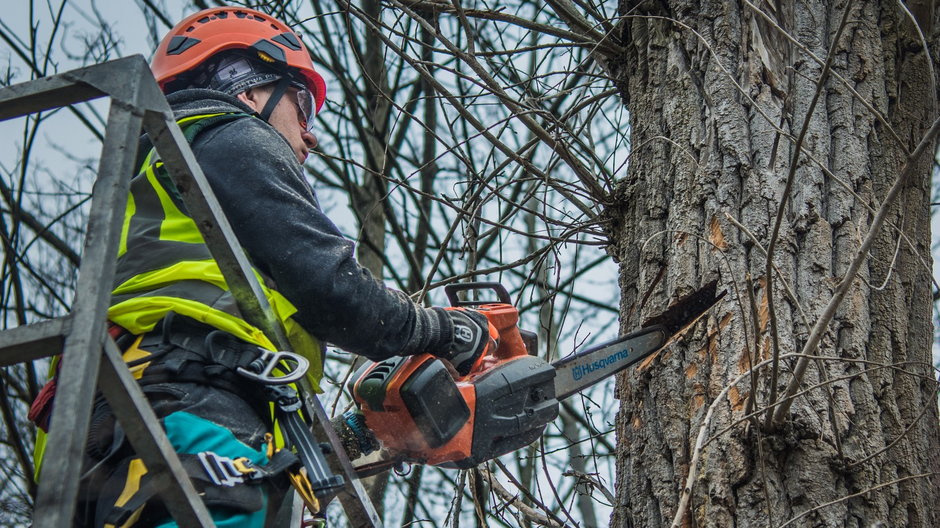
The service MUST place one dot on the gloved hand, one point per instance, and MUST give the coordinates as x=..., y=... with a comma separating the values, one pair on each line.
x=468, y=340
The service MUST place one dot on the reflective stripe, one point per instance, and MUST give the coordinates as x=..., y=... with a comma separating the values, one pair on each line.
x=144, y=233
x=148, y=210
x=175, y=226
x=154, y=255
x=191, y=119
x=141, y=313
x=39, y=452
x=129, y=211
x=204, y=292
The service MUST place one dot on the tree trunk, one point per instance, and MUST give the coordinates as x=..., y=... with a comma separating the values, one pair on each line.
x=368, y=196
x=718, y=96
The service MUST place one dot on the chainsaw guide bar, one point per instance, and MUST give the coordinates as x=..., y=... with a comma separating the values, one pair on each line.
x=580, y=370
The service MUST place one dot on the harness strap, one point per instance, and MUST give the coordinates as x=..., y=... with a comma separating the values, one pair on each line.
x=201, y=341
x=183, y=350
x=298, y=435
x=220, y=481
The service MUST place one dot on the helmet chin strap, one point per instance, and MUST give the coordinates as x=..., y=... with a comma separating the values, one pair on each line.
x=279, y=89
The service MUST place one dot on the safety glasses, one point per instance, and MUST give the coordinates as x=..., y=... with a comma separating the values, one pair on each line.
x=305, y=104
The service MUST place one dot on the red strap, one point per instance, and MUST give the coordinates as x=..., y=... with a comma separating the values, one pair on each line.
x=114, y=330
x=41, y=409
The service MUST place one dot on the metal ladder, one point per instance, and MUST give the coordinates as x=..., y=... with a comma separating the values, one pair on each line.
x=88, y=353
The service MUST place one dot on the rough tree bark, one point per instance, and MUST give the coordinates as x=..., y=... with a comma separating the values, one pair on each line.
x=718, y=95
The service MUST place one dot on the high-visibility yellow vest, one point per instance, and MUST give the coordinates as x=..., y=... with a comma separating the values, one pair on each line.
x=164, y=265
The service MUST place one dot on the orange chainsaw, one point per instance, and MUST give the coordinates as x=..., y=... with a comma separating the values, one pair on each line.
x=421, y=413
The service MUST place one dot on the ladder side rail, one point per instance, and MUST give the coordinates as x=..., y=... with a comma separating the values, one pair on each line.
x=81, y=355
x=80, y=335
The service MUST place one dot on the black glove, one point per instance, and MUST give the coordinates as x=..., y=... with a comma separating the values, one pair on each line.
x=469, y=333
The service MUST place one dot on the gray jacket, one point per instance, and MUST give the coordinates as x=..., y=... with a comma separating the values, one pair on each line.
x=278, y=220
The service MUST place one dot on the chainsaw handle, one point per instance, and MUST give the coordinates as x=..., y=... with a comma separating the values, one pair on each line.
x=453, y=289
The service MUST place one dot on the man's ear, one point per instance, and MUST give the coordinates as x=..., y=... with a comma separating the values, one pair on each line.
x=253, y=98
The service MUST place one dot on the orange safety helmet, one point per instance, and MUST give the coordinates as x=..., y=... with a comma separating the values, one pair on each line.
x=202, y=35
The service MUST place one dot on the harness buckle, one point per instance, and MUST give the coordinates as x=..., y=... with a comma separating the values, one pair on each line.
x=225, y=471
x=262, y=368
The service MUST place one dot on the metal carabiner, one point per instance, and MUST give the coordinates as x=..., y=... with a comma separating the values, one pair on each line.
x=262, y=368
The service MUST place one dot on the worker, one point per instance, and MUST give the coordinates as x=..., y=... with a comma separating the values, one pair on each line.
x=245, y=93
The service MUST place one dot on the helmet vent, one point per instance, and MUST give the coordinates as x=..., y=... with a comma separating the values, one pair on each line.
x=179, y=44
x=288, y=40
x=271, y=50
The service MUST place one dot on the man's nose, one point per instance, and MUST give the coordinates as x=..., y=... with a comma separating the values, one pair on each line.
x=309, y=139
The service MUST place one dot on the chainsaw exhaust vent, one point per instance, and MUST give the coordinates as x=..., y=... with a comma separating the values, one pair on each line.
x=371, y=381
x=382, y=370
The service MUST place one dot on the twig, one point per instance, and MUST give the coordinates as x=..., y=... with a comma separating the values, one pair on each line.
x=847, y=85
x=607, y=46
x=828, y=382
x=932, y=87
x=930, y=405
x=551, y=484
x=686, y=494
x=522, y=113
x=833, y=416
x=528, y=495
x=702, y=440
x=513, y=499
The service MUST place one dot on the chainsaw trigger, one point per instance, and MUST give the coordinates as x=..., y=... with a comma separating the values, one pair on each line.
x=294, y=366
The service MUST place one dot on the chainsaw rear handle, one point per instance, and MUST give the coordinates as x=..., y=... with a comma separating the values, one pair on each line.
x=512, y=341
x=452, y=291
